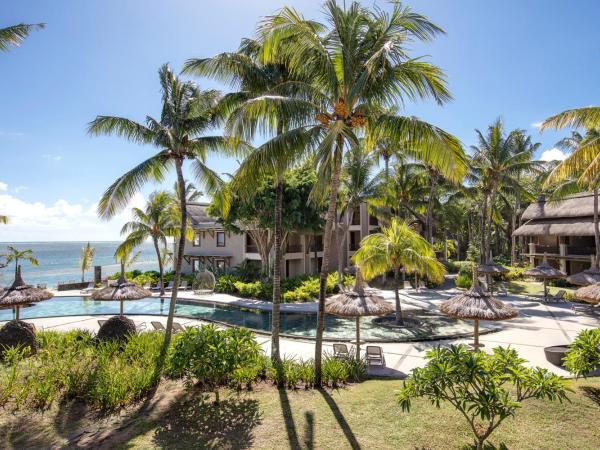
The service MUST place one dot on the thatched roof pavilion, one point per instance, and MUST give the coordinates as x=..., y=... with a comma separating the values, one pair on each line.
x=590, y=294
x=356, y=303
x=586, y=277
x=22, y=294
x=124, y=290
x=545, y=272
x=477, y=304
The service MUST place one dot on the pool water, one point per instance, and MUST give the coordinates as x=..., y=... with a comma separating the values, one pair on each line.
x=432, y=325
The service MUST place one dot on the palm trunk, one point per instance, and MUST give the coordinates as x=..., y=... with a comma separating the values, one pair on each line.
x=16, y=267
x=160, y=267
x=432, y=185
x=596, y=231
x=180, y=250
x=331, y=211
x=275, y=315
x=482, y=229
x=397, y=297
x=341, y=243
x=315, y=253
x=490, y=224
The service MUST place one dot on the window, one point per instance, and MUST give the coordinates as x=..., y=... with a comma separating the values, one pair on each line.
x=196, y=240
x=220, y=263
x=220, y=239
x=195, y=265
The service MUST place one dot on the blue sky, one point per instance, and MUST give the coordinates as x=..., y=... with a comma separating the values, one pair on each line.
x=522, y=60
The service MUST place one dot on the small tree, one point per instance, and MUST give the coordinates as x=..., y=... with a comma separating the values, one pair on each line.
x=486, y=389
x=87, y=257
x=16, y=255
x=583, y=355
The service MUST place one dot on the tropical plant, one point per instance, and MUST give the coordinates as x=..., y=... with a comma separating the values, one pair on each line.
x=398, y=247
x=486, y=389
x=208, y=356
x=86, y=259
x=16, y=255
x=187, y=113
x=344, y=72
x=583, y=355
x=4, y=219
x=158, y=221
x=13, y=36
x=191, y=193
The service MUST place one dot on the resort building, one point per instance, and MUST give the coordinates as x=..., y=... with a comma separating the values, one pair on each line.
x=213, y=246
x=562, y=230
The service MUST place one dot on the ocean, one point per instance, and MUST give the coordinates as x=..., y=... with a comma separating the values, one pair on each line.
x=59, y=261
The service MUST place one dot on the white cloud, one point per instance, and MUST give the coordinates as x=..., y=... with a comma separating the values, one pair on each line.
x=18, y=189
x=536, y=125
x=58, y=221
x=53, y=157
x=554, y=154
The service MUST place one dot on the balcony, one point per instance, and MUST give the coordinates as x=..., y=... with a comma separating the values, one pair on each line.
x=313, y=248
x=563, y=251
x=573, y=250
x=251, y=249
x=293, y=248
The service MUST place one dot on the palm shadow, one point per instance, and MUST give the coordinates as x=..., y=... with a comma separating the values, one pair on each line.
x=341, y=420
x=592, y=393
x=290, y=426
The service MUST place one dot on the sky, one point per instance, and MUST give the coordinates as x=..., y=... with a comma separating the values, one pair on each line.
x=519, y=60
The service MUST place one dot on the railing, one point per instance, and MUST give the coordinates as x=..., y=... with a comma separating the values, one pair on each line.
x=293, y=248
x=251, y=249
x=550, y=249
x=574, y=250
x=311, y=248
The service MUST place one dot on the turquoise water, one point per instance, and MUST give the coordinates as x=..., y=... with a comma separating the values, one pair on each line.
x=59, y=261
x=295, y=324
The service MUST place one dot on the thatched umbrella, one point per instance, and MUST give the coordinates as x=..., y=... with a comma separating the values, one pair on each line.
x=124, y=290
x=490, y=268
x=20, y=294
x=590, y=294
x=477, y=304
x=587, y=277
x=357, y=303
x=545, y=272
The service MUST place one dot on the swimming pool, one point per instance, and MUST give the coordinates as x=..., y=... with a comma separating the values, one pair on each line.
x=293, y=324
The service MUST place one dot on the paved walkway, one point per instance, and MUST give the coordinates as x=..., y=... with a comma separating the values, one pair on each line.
x=537, y=326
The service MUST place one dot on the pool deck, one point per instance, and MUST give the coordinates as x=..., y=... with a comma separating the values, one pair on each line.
x=537, y=326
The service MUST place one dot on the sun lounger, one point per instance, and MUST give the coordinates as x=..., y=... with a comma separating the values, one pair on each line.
x=170, y=286
x=177, y=327
x=101, y=322
x=147, y=285
x=375, y=356
x=157, y=287
x=559, y=297
x=140, y=326
x=184, y=285
x=158, y=326
x=341, y=351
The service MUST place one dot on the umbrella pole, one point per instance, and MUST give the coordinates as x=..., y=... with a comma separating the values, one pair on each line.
x=121, y=308
x=357, y=337
x=476, y=334
x=17, y=310
x=545, y=291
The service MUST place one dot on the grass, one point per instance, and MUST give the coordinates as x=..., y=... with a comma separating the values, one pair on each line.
x=529, y=287
x=364, y=416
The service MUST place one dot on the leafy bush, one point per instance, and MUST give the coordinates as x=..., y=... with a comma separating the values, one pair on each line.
x=514, y=273
x=335, y=371
x=464, y=280
x=226, y=284
x=583, y=355
x=486, y=389
x=208, y=356
x=74, y=365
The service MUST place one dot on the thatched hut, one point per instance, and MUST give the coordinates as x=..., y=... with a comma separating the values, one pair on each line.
x=590, y=294
x=545, y=272
x=357, y=303
x=587, y=276
x=20, y=294
x=477, y=304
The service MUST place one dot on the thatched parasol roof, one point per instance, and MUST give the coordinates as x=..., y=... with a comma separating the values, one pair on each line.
x=490, y=267
x=545, y=271
x=124, y=290
x=587, y=277
x=358, y=302
x=22, y=294
x=590, y=294
x=477, y=304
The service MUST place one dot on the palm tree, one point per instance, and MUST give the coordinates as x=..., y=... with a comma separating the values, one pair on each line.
x=87, y=257
x=13, y=36
x=247, y=72
x=494, y=166
x=398, y=247
x=14, y=254
x=187, y=113
x=158, y=221
x=344, y=72
x=191, y=193
x=3, y=219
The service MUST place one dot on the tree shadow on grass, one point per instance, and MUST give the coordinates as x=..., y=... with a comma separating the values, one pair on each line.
x=290, y=426
x=592, y=393
x=194, y=424
x=341, y=420
x=309, y=430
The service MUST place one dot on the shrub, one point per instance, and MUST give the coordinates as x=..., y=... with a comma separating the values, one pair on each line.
x=17, y=333
x=207, y=356
x=335, y=371
x=480, y=386
x=116, y=328
x=583, y=355
x=226, y=284
x=464, y=281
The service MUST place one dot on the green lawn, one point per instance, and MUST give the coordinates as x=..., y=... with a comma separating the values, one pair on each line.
x=528, y=287
x=360, y=416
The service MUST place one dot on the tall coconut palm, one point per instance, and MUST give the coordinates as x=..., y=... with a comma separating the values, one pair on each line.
x=252, y=78
x=16, y=255
x=191, y=193
x=86, y=259
x=158, y=221
x=398, y=247
x=187, y=113
x=14, y=35
x=345, y=71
